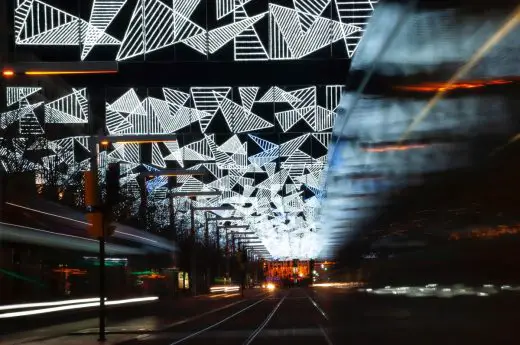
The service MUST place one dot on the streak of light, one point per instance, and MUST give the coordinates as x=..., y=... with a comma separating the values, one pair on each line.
x=435, y=87
x=47, y=304
x=75, y=220
x=313, y=302
x=390, y=148
x=509, y=142
x=338, y=285
x=69, y=72
x=72, y=271
x=487, y=233
x=131, y=235
x=325, y=335
x=75, y=306
x=224, y=288
x=49, y=232
x=506, y=28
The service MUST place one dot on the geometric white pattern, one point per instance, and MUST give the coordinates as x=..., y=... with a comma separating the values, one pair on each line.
x=9, y=117
x=277, y=184
x=356, y=13
x=289, y=180
x=292, y=40
x=292, y=32
x=37, y=23
x=102, y=14
x=16, y=94
x=72, y=108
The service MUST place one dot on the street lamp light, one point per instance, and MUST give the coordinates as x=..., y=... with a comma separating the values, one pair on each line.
x=60, y=68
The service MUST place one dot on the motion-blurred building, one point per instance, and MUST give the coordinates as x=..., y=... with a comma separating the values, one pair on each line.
x=429, y=102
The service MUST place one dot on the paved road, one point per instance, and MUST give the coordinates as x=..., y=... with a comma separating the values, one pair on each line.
x=316, y=316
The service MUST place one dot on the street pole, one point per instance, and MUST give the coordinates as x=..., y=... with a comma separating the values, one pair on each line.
x=208, y=252
x=219, y=261
x=102, y=286
x=206, y=231
x=193, y=258
x=228, y=257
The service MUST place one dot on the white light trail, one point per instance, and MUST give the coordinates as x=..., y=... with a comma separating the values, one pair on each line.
x=47, y=304
x=75, y=307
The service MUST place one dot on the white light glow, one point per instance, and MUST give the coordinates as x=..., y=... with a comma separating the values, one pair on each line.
x=293, y=33
x=72, y=108
x=75, y=307
x=224, y=288
x=47, y=304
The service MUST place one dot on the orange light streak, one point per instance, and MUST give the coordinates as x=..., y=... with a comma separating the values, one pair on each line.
x=436, y=87
x=486, y=233
x=510, y=24
x=151, y=276
x=138, y=142
x=73, y=271
x=69, y=72
x=394, y=148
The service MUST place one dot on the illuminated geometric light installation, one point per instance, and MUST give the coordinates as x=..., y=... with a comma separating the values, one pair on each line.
x=290, y=43
x=72, y=108
x=155, y=24
x=277, y=186
x=37, y=23
x=102, y=14
x=9, y=117
x=29, y=124
x=16, y=94
x=276, y=208
x=357, y=13
x=247, y=44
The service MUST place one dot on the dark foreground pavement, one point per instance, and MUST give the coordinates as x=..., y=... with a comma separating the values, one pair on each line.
x=316, y=316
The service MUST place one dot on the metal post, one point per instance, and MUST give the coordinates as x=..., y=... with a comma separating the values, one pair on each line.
x=172, y=182
x=143, y=206
x=102, y=288
x=208, y=253
x=94, y=154
x=206, y=231
x=218, y=239
x=193, y=258
x=227, y=256
x=218, y=251
x=173, y=229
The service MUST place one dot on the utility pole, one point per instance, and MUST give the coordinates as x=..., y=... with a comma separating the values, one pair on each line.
x=97, y=223
x=218, y=250
x=208, y=255
x=193, y=257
